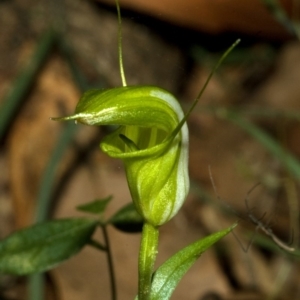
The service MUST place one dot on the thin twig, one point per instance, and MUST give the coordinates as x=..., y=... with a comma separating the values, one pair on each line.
x=264, y=228
x=110, y=264
x=257, y=222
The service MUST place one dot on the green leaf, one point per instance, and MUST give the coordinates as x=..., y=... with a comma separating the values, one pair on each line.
x=127, y=219
x=95, y=207
x=43, y=246
x=168, y=275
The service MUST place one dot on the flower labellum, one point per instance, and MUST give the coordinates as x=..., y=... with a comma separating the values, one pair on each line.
x=150, y=140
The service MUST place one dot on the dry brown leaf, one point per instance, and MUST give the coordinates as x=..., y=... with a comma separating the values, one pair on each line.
x=33, y=136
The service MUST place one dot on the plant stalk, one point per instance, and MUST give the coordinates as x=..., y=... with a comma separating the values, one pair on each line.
x=147, y=256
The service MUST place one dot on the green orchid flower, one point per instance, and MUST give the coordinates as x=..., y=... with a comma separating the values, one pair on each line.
x=152, y=141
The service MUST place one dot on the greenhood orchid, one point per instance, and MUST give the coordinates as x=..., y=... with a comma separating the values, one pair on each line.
x=150, y=140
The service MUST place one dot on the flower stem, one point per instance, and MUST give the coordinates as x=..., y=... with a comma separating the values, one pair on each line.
x=122, y=72
x=148, y=252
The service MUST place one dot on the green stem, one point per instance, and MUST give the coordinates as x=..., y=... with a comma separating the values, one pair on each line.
x=148, y=252
x=122, y=72
x=110, y=264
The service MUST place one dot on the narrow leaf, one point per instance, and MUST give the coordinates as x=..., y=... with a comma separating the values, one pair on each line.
x=287, y=159
x=127, y=219
x=279, y=13
x=95, y=207
x=168, y=275
x=44, y=245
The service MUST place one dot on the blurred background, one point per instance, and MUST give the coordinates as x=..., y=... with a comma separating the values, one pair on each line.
x=245, y=131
